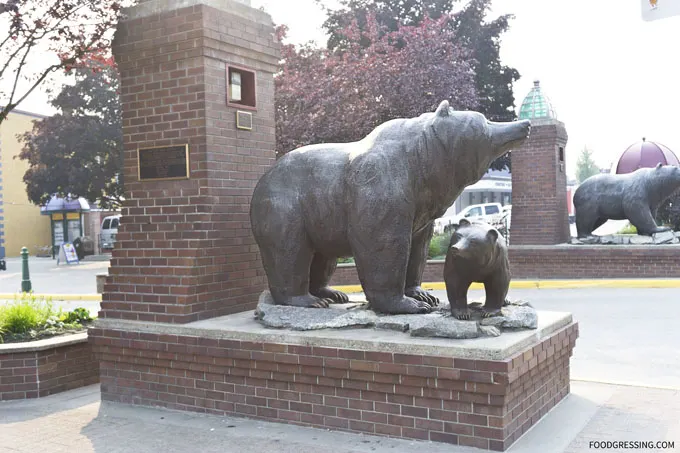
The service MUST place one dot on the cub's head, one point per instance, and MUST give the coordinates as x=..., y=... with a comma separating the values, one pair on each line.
x=476, y=241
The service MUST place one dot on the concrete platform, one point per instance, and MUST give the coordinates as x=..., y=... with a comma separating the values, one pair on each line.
x=243, y=327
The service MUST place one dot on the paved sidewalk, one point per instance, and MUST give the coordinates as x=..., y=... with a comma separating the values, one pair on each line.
x=77, y=421
x=49, y=278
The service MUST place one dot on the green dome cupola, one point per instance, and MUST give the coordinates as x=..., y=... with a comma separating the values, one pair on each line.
x=536, y=105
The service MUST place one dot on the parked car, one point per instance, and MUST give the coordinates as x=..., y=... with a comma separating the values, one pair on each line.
x=109, y=231
x=486, y=212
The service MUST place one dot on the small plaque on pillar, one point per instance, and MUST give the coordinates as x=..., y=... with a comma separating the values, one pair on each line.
x=163, y=163
x=244, y=120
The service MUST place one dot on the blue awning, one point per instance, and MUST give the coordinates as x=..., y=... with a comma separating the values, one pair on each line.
x=59, y=204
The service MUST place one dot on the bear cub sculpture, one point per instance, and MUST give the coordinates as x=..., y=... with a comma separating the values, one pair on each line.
x=634, y=196
x=477, y=253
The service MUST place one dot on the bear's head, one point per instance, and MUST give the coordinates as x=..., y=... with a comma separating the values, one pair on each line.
x=475, y=141
x=476, y=242
x=667, y=179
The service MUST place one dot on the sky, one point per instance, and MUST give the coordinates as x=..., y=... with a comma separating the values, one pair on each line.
x=611, y=77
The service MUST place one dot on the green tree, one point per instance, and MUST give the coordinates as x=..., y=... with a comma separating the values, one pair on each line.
x=494, y=81
x=585, y=165
x=66, y=31
x=79, y=151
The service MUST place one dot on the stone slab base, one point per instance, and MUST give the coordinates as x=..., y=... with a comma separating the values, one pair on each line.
x=484, y=393
x=46, y=367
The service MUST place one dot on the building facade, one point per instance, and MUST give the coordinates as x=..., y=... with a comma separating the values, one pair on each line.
x=21, y=224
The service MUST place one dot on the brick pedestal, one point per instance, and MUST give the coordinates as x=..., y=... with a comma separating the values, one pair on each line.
x=539, y=187
x=381, y=388
x=184, y=250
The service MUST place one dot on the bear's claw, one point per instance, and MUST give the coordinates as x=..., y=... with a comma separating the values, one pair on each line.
x=420, y=294
x=333, y=295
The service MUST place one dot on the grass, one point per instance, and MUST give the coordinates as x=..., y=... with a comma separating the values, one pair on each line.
x=29, y=317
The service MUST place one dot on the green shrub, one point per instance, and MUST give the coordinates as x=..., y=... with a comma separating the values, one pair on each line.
x=628, y=229
x=439, y=245
x=79, y=315
x=27, y=312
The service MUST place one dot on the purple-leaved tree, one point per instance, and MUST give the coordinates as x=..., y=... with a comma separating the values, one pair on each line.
x=327, y=96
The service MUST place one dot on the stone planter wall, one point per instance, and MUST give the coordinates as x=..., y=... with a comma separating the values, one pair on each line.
x=40, y=368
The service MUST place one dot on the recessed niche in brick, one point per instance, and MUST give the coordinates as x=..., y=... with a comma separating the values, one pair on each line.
x=241, y=87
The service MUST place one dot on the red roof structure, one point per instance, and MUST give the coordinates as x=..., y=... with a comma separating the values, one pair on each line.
x=645, y=154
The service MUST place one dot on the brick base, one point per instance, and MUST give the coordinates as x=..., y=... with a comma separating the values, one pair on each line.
x=481, y=403
x=565, y=261
x=33, y=374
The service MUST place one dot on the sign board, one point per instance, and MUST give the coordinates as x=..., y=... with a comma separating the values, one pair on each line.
x=67, y=254
x=244, y=120
x=163, y=163
x=659, y=9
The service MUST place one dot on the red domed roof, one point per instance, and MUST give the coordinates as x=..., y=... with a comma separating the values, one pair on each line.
x=645, y=154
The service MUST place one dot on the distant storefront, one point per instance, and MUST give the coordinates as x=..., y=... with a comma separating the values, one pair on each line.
x=66, y=218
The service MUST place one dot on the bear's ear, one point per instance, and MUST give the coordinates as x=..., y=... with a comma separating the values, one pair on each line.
x=443, y=109
x=659, y=165
x=463, y=222
x=493, y=235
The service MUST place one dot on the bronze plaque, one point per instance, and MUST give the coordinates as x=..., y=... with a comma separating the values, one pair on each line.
x=244, y=120
x=162, y=163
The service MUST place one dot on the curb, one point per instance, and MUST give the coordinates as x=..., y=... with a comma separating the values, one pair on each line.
x=82, y=297
x=516, y=284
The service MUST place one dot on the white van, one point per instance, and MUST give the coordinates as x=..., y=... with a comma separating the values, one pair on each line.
x=109, y=231
x=487, y=212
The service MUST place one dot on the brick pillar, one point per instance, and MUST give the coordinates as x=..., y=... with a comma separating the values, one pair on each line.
x=539, y=187
x=184, y=249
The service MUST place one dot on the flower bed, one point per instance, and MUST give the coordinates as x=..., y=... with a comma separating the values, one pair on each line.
x=45, y=351
x=29, y=318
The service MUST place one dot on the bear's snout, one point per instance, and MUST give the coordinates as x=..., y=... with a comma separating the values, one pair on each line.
x=507, y=135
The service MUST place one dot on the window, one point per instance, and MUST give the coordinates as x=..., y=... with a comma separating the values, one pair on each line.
x=474, y=212
x=240, y=87
x=114, y=223
x=491, y=210
x=107, y=224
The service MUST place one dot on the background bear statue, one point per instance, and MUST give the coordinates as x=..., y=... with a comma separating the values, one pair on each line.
x=477, y=253
x=375, y=200
x=634, y=196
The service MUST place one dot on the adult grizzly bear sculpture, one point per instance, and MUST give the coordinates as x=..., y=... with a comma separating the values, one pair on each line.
x=375, y=200
x=633, y=196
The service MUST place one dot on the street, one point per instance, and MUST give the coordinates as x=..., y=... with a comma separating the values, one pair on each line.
x=49, y=278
